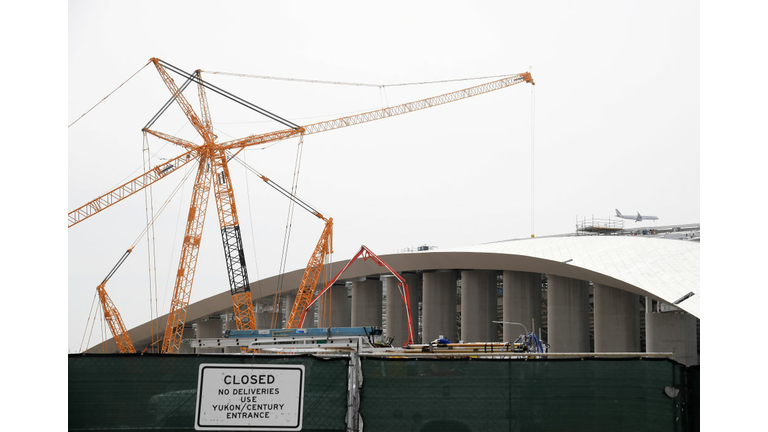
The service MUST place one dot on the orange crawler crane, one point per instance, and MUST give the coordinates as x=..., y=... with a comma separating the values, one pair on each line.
x=311, y=276
x=111, y=315
x=212, y=160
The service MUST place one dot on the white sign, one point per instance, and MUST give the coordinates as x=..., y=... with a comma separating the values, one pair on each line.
x=250, y=397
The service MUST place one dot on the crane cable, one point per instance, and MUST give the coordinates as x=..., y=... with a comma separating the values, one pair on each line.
x=149, y=211
x=533, y=129
x=296, y=200
x=110, y=94
x=88, y=323
x=353, y=83
x=287, y=234
x=250, y=219
x=135, y=242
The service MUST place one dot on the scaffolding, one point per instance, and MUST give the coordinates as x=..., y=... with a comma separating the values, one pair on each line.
x=593, y=226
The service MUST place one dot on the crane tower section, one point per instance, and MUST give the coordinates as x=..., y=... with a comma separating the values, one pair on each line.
x=213, y=171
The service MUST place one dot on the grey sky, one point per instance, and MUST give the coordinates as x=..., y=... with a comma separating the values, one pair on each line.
x=616, y=126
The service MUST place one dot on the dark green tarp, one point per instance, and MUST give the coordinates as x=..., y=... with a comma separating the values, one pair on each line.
x=139, y=392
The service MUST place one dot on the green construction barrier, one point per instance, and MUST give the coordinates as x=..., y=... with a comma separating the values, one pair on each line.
x=525, y=395
x=129, y=392
x=138, y=392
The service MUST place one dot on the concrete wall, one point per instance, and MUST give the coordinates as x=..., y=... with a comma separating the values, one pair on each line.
x=439, y=305
x=672, y=332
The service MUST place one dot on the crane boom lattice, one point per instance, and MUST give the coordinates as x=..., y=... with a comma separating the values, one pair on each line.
x=213, y=171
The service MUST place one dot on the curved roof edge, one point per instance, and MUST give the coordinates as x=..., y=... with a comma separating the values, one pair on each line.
x=665, y=270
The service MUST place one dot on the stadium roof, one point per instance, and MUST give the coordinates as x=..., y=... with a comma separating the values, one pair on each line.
x=664, y=269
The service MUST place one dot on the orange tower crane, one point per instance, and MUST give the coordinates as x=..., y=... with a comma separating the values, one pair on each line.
x=212, y=168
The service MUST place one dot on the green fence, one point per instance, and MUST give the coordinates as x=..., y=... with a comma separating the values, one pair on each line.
x=519, y=395
x=137, y=392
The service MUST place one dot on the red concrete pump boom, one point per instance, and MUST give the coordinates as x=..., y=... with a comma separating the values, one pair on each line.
x=213, y=178
x=366, y=254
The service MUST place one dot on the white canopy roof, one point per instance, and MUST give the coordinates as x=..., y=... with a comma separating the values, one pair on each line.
x=665, y=269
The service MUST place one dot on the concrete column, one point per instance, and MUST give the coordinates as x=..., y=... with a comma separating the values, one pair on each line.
x=287, y=306
x=617, y=320
x=264, y=320
x=439, y=305
x=672, y=332
x=333, y=307
x=522, y=303
x=212, y=328
x=208, y=329
x=397, y=321
x=230, y=324
x=478, y=306
x=366, y=303
x=187, y=333
x=567, y=314
x=414, y=281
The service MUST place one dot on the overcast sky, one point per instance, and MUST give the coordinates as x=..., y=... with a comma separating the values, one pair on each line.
x=615, y=109
x=616, y=126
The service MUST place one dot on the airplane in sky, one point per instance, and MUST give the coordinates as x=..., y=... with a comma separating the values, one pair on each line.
x=637, y=218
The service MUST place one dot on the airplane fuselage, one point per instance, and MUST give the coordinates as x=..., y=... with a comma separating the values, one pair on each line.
x=638, y=218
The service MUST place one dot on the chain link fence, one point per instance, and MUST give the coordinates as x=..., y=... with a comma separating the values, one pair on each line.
x=139, y=392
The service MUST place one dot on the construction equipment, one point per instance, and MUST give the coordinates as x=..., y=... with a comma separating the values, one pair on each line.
x=359, y=339
x=402, y=285
x=311, y=276
x=111, y=315
x=212, y=160
x=314, y=267
x=212, y=157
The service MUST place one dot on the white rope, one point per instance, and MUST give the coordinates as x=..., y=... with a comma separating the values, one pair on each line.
x=533, y=120
x=110, y=94
x=351, y=83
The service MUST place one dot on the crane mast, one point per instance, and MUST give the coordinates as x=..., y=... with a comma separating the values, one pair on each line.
x=213, y=170
x=231, y=237
x=213, y=164
x=190, y=248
